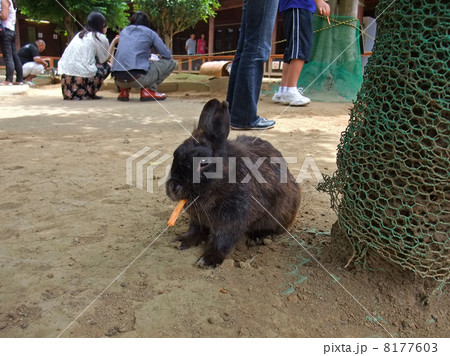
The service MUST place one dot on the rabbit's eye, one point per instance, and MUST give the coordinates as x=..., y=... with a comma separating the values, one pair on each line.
x=204, y=162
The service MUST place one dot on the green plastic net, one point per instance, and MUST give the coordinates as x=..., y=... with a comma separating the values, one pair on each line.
x=391, y=191
x=334, y=72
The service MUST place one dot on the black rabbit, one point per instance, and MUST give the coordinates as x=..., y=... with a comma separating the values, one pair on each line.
x=241, y=201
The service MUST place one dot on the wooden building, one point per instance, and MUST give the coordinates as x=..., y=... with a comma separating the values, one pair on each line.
x=30, y=31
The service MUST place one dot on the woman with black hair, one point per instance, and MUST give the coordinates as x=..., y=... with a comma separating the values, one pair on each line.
x=83, y=65
x=135, y=66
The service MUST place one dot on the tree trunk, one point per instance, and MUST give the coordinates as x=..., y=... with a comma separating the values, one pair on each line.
x=333, y=7
x=349, y=8
x=168, y=38
x=70, y=26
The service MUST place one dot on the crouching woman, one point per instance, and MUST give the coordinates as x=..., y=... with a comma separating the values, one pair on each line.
x=132, y=66
x=84, y=64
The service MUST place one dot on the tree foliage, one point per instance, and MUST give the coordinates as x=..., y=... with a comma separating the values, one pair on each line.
x=50, y=10
x=170, y=17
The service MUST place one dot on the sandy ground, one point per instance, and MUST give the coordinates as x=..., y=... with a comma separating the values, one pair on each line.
x=71, y=227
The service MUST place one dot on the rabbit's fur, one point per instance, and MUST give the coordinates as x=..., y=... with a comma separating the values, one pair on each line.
x=221, y=210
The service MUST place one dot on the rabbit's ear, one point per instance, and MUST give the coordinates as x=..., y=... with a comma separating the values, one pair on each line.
x=214, y=123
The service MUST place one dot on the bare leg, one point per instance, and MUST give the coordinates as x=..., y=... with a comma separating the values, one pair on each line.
x=291, y=72
x=285, y=74
x=30, y=78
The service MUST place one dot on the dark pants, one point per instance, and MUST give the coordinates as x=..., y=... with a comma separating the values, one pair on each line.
x=157, y=73
x=12, y=60
x=253, y=50
x=298, y=30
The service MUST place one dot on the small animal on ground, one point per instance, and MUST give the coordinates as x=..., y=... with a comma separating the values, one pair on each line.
x=232, y=188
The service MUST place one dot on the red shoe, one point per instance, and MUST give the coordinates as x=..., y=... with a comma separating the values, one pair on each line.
x=148, y=95
x=124, y=94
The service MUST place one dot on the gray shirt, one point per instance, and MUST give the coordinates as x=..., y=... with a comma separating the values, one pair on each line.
x=135, y=47
x=190, y=44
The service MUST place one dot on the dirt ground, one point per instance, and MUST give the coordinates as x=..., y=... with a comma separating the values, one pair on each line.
x=71, y=227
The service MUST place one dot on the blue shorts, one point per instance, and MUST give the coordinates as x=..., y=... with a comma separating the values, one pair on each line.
x=298, y=30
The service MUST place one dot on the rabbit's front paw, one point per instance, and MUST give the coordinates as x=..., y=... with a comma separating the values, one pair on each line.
x=210, y=261
x=187, y=240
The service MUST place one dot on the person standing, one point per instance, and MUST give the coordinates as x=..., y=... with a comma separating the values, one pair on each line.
x=190, y=45
x=84, y=64
x=201, y=44
x=247, y=70
x=8, y=42
x=298, y=30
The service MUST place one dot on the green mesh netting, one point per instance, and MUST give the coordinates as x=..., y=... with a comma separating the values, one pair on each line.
x=334, y=72
x=391, y=191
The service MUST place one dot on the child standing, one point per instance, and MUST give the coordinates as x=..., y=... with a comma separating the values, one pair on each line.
x=298, y=30
x=201, y=44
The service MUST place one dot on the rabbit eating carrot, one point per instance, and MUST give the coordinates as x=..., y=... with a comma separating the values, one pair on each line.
x=227, y=197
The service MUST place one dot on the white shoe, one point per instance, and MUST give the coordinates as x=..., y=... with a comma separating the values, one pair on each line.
x=276, y=97
x=295, y=98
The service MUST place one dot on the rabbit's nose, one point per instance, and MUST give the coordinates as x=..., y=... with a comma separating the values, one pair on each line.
x=177, y=189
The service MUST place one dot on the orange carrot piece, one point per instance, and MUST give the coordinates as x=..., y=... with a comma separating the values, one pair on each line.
x=176, y=212
x=329, y=23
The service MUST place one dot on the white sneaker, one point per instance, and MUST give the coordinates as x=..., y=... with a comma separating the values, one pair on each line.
x=295, y=98
x=276, y=97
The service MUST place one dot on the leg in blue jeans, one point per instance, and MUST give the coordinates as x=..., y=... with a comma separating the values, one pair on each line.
x=12, y=60
x=253, y=50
